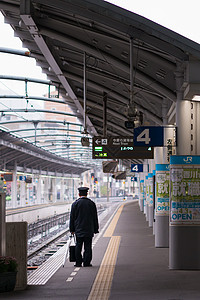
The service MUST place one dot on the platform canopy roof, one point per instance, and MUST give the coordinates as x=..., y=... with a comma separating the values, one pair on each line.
x=30, y=158
x=60, y=33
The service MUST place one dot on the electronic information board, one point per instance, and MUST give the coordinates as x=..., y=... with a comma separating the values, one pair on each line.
x=119, y=147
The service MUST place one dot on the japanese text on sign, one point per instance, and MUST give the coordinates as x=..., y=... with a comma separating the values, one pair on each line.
x=162, y=192
x=185, y=195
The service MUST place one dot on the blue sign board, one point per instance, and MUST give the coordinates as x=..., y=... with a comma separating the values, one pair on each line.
x=22, y=178
x=162, y=167
x=185, y=160
x=136, y=168
x=152, y=136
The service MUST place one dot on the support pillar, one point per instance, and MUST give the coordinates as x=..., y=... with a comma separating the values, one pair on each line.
x=62, y=189
x=108, y=190
x=147, y=197
x=54, y=190
x=150, y=199
x=2, y=224
x=23, y=193
x=141, y=191
x=38, y=197
x=161, y=214
x=46, y=189
x=146, y=168
x=162, y=206
x=184, y=235
x=14, y=187
x=184, y=213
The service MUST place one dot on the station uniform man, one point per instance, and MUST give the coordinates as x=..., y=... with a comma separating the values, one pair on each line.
x=83, y=223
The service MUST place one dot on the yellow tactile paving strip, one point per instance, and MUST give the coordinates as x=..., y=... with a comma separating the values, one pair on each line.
x=102, y=284
x=110, y=230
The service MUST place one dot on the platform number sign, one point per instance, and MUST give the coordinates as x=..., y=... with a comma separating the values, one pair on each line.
x=136, y=168
x=144, y=137
x=149, y=136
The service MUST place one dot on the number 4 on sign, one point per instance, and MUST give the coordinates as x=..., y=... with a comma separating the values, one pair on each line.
x=135, y=168
x=144, y=137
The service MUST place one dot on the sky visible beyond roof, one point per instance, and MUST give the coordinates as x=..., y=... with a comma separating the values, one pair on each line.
x=181, y=16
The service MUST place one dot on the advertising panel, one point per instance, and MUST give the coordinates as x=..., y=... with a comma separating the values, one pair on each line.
x=150, y=184
x=162, y=190
x=185, y=190
x=147, y=190
x=142, y=192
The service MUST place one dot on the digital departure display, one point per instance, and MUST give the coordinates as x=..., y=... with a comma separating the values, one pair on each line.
x=119, y=148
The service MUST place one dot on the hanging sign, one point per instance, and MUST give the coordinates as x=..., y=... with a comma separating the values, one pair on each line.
x=155, y=136
x=148, y=136
x=136, y=168
x=119, y=147
x=185, y=189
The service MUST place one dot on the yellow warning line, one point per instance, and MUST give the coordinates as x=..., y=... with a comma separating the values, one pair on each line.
x=102, y=285
x=111, y=227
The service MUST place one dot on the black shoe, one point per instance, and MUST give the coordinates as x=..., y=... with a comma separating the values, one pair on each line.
x=90, y=265
x=77, y=265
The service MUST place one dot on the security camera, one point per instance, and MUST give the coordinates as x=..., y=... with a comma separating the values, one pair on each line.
x=129, y=124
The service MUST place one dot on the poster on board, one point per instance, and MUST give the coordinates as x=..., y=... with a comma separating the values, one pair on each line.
x=185, y=190
x=162, y=190
x=150, y=189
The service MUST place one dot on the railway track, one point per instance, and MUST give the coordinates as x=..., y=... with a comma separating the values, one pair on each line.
x=47, y=245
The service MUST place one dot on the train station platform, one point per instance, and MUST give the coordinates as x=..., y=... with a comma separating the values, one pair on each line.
x=126, y=265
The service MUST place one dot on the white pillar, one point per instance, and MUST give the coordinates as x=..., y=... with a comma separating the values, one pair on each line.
x=141, y=190
x=183, y=118
x=14, y=187
x=184, y=239
x=161, y=220
x=165, y=122
x=22, y=193
x=158, y=155
x=54, y=190
x=62, y=189
x=2, y=224
x=46, y=189
x=151, y=163
x=146, y=166
x=38, y=196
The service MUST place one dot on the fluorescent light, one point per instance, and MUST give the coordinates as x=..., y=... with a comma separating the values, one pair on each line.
x=196, y=98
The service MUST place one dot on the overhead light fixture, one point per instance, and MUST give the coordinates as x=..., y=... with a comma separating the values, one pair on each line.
x=196, y=98
x=129, y=124
x=85, y=141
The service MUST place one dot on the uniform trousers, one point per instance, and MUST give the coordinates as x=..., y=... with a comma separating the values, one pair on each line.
x=87, y=254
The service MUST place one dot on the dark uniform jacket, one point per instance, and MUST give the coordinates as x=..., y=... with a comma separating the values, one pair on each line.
x=83, y=218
